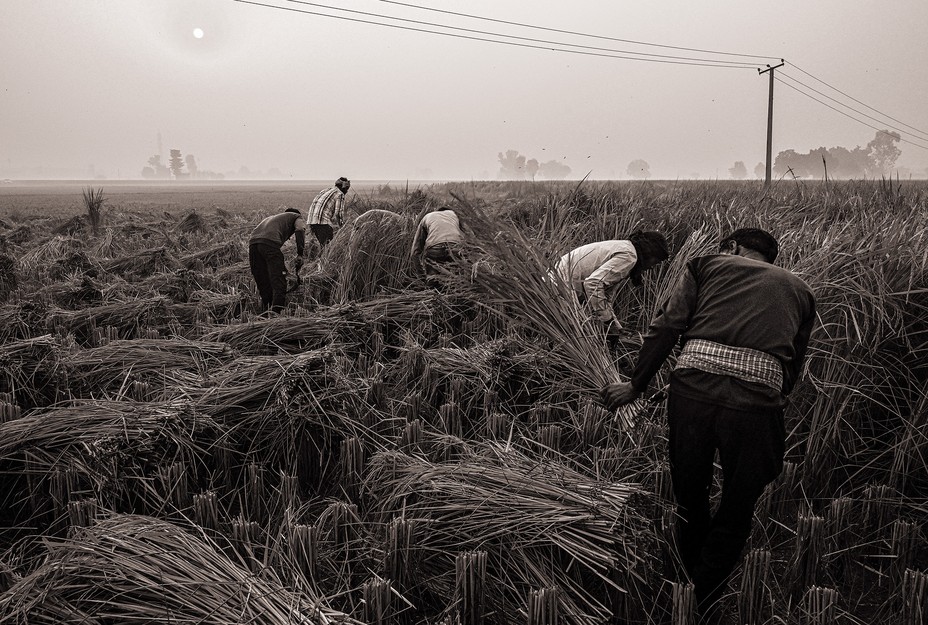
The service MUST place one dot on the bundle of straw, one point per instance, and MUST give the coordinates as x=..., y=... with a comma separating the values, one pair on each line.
x=143, y=263
x=369, y=255
x=203, y=305
x=511, y=274
x=259, y=382
x=292, y=334
x=349, y=324
x=156, y=361
x=47, y=253
x=111, y=447
x=22, y=319
x=192, y=223
x=30, y=369
x=286, y=409
x=541, y=523
x=219, y=255
x=129, y=316
x=136, y=569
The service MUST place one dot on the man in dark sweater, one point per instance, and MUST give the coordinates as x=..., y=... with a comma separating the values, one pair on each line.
x=267, y=260
x=744, y=325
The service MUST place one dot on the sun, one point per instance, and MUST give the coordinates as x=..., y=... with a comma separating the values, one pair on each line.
x=198, y=33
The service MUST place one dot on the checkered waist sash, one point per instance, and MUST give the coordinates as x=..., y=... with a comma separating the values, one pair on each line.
x=746, y=364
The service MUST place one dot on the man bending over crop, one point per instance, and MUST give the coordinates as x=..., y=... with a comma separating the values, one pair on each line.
x=438, y=235
x=328, y=211
x=596, y=271
x=267, y=260
x=745, y=325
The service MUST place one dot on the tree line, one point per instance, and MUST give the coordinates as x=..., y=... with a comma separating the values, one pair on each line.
x=177, y=168
x=876, y=159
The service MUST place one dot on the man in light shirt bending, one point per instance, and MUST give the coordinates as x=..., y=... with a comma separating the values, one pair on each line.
x=438, y=235
x=597, y=271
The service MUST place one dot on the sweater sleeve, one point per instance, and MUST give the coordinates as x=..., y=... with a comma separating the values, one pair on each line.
x=668, y=324
x=800, y=345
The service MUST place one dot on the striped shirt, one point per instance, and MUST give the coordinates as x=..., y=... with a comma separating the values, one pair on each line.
x=327, y=208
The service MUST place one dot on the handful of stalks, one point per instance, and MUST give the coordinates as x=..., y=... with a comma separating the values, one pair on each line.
x=511, y=276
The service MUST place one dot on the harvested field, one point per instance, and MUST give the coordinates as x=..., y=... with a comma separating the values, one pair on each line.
x=386, y=452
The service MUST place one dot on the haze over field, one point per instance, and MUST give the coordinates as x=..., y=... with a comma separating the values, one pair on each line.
x=276, y=89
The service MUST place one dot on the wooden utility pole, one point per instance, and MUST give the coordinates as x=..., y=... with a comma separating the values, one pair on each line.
x=770, y=120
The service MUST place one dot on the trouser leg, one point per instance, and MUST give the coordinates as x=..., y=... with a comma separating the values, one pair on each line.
x=323, y=234
x=259, y=271
x=692, y=452
x=436, y=257
x=277, y=273
x=751, y=446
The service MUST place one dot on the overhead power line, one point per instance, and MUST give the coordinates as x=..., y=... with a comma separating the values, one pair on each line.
x=823, y=103
x=855, y=99
x=579, y=34
x=847, y=106
x=473, y=34
x=516, y=37
x=541, y=45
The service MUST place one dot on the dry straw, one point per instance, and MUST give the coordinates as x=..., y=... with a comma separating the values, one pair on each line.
x=536, y=520
x=370, y=255
x=109, y=447
x=135, y=569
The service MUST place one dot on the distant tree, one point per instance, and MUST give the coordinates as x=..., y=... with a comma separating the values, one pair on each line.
x=553, y=170
x=531, y=168
x=191, y=163
x=883, y=153
x=155, y=169
x=511, y=165
x=876, y=159
x=738, y=171
x=760, y=171
x=639, y=169
x=176, y=163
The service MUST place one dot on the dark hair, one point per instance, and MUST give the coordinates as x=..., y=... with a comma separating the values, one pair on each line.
x=756, y=239
x=290, y=209
x=650, y=244
x=342, y=181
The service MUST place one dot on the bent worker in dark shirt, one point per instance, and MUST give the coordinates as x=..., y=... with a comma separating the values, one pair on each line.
x=745, y=325
x=267, y=260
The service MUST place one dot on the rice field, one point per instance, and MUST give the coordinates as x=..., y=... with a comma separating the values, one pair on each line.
x=386, y=452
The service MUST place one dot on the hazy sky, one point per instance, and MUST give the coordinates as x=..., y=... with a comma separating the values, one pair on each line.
x=92, y=83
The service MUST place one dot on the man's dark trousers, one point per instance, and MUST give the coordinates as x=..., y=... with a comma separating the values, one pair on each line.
x=751, y=445
x=270, y=272
x=323, y=234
